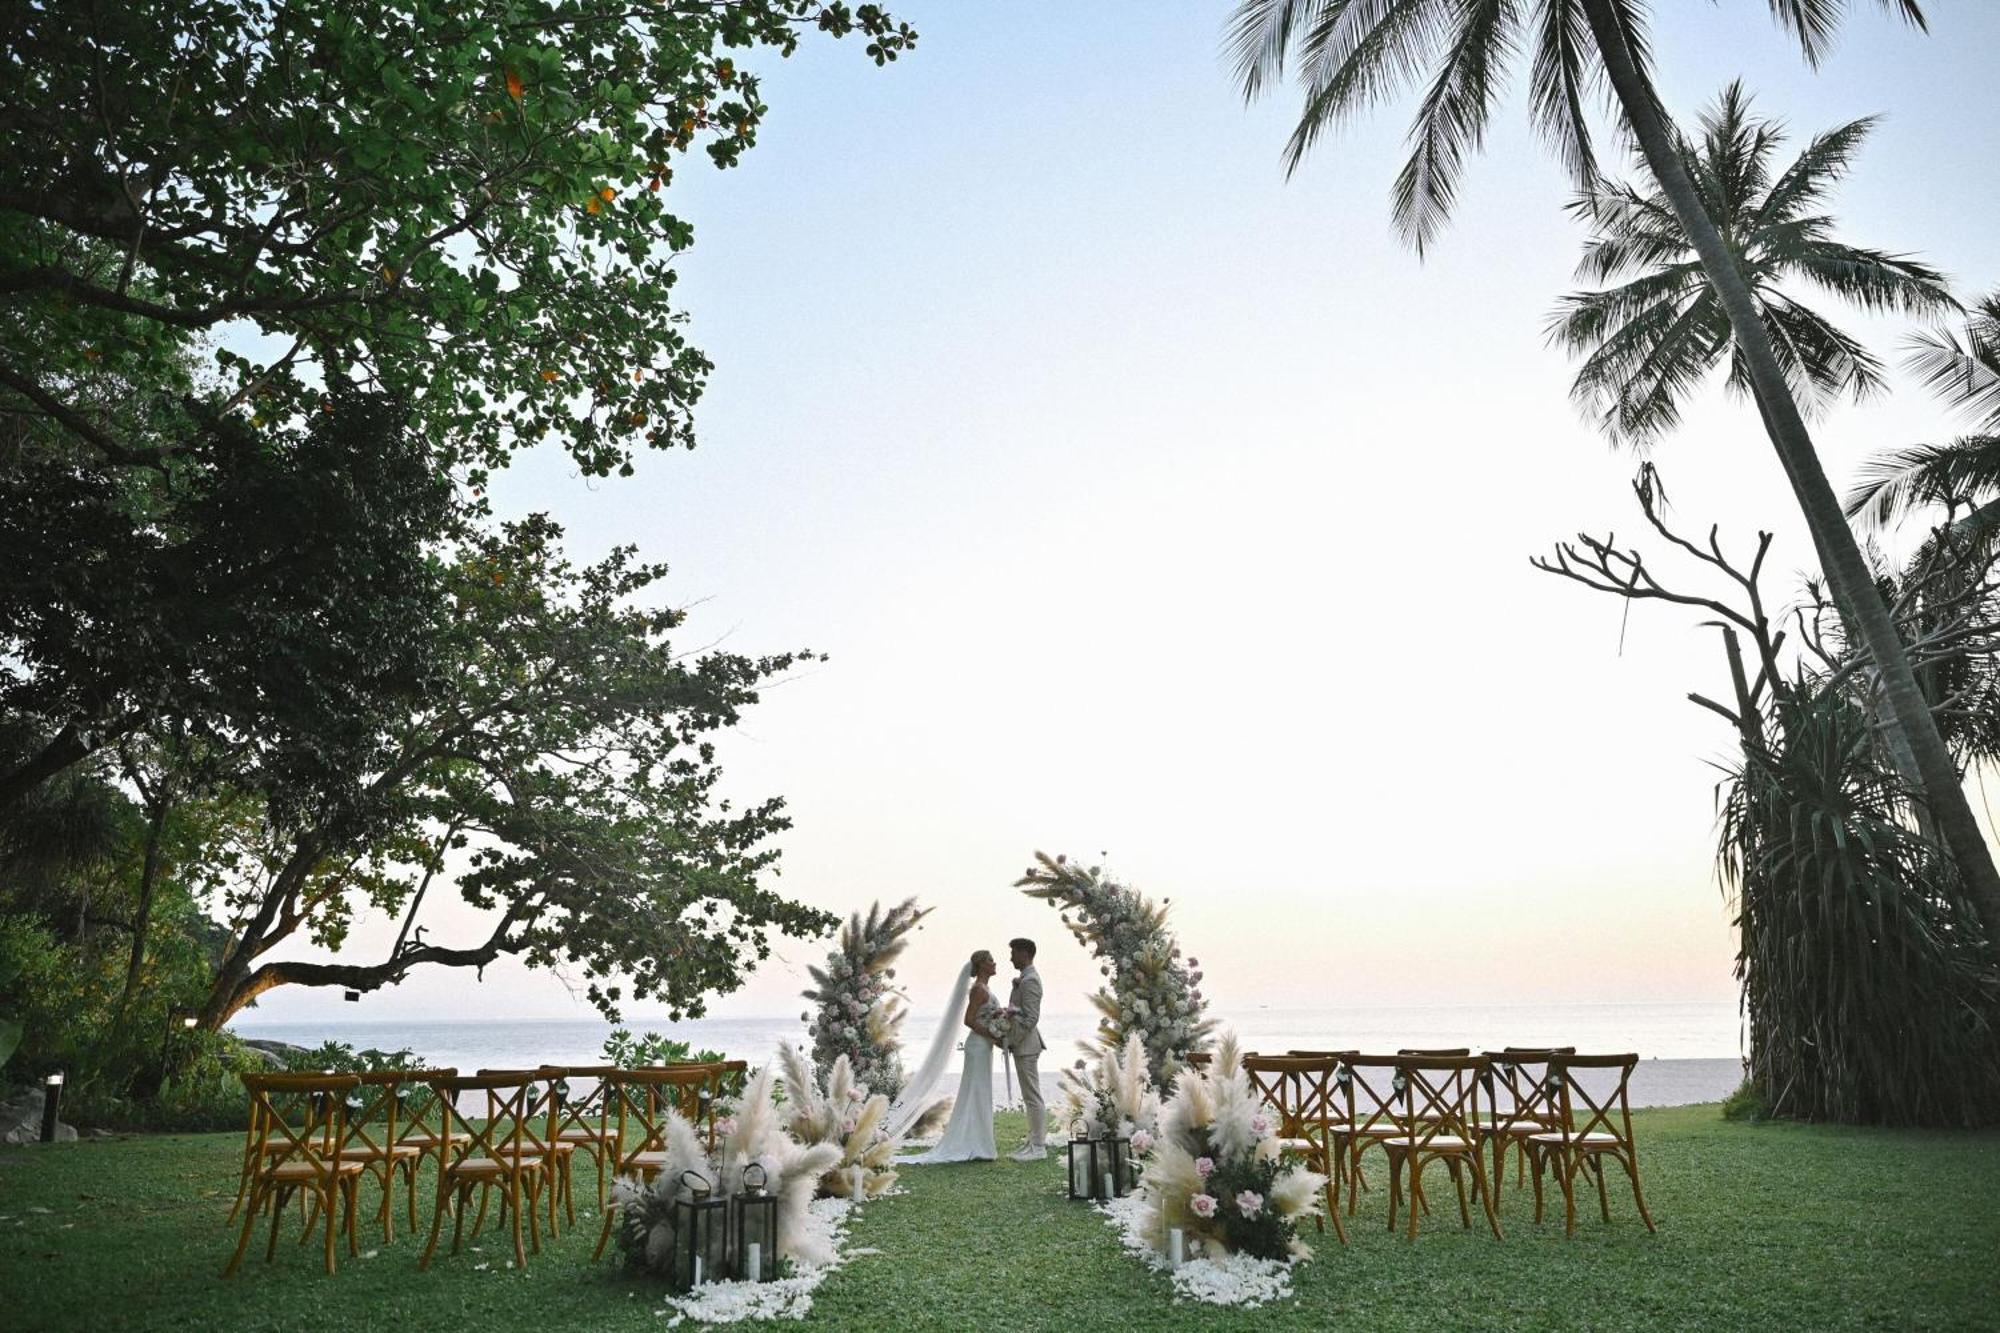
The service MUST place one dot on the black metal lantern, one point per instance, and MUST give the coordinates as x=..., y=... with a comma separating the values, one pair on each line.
x=755, y=1232
x=1117, y=1150
x=701, y=1234
x=1084, y=1158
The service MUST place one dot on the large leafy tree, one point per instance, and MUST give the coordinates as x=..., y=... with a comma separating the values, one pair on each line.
x=271, y=589
x=1347, y=54
x=234, y=238
x=1659, y=329
x=560, y=777
x=458, y=204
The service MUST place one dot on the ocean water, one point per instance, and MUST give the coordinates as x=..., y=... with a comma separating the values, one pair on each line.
x=1689, y=1052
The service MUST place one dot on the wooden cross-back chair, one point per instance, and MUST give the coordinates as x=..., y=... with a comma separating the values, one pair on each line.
x=545, y=1102
x=1370, y=1112
x=505, y=1152
x=371, y=1138
x=1440, y=1095
x=298, y=1124
x=423, y=1123
x=1588, y=1129
x=583, y=1120
x=1519, y=1102
x=1300, y=1091
x=641, y=1100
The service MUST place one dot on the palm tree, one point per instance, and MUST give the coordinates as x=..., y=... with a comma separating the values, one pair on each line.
x=1349, y=53
x=1964, y=474
x=1652, y=337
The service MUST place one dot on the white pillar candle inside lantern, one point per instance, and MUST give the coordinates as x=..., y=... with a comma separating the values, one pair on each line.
x=753, y=1261
x=1176, y=1247
x=1109, y=1185
x=1079, y=1175
x=856, y=1185
x=699, y=1276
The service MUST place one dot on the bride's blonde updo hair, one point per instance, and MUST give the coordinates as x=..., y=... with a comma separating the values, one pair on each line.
x=981, y=956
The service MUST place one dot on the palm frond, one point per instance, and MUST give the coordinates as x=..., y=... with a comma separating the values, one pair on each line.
x=1964, y=365
x=1452, y=118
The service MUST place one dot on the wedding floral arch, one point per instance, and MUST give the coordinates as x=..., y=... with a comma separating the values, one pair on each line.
x=1150, y=990
x=860, y=1011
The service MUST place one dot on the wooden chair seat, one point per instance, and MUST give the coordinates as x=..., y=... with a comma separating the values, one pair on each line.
x=1435, y=1143
x=1586, y=1140
x=647, y=1161
x=375, y=1152
x=1298, y=1145
x=312, y=1171
x=1379, y=1129
x=587, y=1136
x=430, y=1140
x=492, y=1166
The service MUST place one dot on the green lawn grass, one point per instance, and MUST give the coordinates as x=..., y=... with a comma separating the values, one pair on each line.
x=1769, y=1226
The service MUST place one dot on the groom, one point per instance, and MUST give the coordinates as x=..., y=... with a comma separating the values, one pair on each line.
x=1024, y=1004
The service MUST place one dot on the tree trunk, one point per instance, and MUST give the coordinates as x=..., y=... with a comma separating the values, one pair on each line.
x=149, y=880
x=1847, y=574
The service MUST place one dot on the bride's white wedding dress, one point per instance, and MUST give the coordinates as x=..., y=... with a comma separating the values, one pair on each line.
x=968, y=1137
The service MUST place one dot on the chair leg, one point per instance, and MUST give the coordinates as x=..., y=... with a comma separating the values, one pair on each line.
x=1603, y=1199
x=249, y=1224
x=1569, y=1163
x=1537, y=1155
x=536, y=1184
x=458, y=1212
x=354, y=1216
x=1631, y=1166
x=277, y=1215
x=1458, y=1183
x=514, y=1197
x=1416, y=1192
x=1485, y=1191
x=1395, y=1189
x=437, y=1221
x=332, y=1206
x=480, y=1221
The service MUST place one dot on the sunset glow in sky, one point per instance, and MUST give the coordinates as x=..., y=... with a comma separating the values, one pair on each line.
x=1156, y=510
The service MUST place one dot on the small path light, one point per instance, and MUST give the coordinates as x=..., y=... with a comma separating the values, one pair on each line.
x=52, y=1087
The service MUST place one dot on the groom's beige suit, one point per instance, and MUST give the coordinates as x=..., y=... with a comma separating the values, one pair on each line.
x=1025, y=999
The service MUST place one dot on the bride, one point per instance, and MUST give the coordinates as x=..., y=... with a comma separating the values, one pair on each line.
x=969, y=1135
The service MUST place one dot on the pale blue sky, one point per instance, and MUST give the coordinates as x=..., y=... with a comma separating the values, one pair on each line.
x=1150, y=504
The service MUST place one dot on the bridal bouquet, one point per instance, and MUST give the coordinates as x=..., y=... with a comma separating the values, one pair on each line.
x=999, y=1020
x=1214, y=1170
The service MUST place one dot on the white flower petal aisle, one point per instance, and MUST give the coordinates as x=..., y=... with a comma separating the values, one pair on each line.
x=1217, y=1279
x=787, y=1297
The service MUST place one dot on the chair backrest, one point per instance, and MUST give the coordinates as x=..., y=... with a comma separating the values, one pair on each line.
x=301, y=1117
x=1440, y=1096
x=574, y=1108
x=1299, y=1088
x=1578, y=1112
x=1449, y=1052
x=1517, y=1090
x=419, y=1104
x=508, y=1133
x=642, y=1098
x=1372, y=1087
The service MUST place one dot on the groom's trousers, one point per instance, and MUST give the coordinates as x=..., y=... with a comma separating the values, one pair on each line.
x=1031, y=1097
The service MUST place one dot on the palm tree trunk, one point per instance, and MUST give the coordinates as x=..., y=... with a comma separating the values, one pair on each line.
x=1847, y=574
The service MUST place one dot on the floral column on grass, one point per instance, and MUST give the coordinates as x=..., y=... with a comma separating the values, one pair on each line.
x=1151, y=992
x=860, y=1013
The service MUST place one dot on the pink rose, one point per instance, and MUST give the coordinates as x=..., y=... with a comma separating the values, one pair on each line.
x=1202, y=1205
x=1204, y=1167
x=1249, y=1203
x=1260, y=1125
x=726, y=1126
x=1142, y=1142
